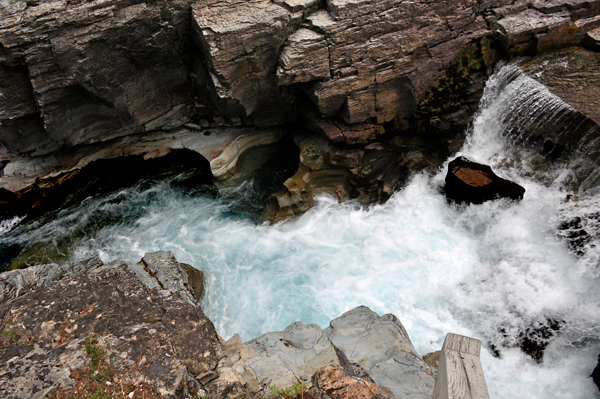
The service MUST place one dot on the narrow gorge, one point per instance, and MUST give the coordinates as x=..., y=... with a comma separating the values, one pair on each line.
x=296, y=152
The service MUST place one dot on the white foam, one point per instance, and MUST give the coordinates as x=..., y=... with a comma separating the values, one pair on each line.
x=8, y=224
x=439, y=267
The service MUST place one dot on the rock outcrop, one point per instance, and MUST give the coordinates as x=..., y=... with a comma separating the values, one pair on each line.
x=371, y=173
x=360, y=64
x=358, y=345
x=144, y=316
x=223, y=155
x=474, y=183
x=80, y=72
x=147, y=321
x=80, y=79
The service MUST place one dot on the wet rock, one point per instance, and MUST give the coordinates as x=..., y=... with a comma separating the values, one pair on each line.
x=471, y=182
x=243, y=156
x=143, y=315
x=45, y=181
x=531, y=337
x=570, y=74
x=535, y=339
x=383, y=349
x=575, y=234
x=579, y=224
x=371, y=173
x=596, y=374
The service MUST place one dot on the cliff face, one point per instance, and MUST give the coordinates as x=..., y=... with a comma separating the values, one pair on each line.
x=79, y=72
x=352, y=71
x=360, y=63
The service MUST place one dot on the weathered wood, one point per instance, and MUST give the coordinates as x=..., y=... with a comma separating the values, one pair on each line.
x=460, y=375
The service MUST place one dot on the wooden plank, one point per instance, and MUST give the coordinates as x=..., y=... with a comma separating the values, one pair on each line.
x=460, y=375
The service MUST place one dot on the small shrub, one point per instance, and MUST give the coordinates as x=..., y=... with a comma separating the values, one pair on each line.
x=290, y=392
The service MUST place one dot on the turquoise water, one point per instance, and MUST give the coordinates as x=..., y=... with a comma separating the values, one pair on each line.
x=487, y=271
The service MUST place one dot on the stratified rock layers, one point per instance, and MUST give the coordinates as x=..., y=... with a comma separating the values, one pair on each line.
x=73, y=74
x=357, y=61
x=80, y=72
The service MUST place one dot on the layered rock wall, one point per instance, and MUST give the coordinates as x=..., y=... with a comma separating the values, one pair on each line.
x=80, y=72
x=356, y=72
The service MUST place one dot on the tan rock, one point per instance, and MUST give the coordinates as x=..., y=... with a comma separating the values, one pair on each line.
x=304, y=57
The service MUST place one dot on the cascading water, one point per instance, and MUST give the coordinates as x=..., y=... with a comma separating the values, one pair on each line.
x=500, y=271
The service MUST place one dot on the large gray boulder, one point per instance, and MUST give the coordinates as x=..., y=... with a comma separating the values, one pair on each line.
x=358, y=345
x=381, y=346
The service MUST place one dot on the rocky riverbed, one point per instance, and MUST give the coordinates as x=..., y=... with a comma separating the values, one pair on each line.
x=147, y=321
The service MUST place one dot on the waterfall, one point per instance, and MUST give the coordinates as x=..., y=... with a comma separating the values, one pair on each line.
x=503, y=272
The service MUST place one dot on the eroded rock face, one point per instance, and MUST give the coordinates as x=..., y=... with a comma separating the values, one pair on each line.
x=471, y=182
x=225, y=155
x=144, y=315
x=74, y=74
x=371, y=173
x=357, y=61
x=81, y=72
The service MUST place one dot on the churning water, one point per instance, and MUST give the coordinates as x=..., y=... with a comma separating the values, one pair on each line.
x=489, y=271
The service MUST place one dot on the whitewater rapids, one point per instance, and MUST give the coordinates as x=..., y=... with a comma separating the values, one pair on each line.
x=439, y=267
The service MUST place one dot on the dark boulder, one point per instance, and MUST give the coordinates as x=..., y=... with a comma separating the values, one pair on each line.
x=532, y=338
x=475, y=183
x=596, y=373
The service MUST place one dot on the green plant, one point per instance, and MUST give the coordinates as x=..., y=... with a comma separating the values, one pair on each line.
x=9, y=332
x=99, y=368
x=290, y=392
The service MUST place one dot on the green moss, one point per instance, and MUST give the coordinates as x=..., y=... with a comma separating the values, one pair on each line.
x=460, y=83
x=290, y=392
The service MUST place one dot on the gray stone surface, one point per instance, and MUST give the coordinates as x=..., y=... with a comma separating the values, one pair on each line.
x=144, y=315
x=359, y=348
x=381, y=346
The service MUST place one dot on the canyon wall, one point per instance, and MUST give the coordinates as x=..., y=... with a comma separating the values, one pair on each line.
x=357, y=73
